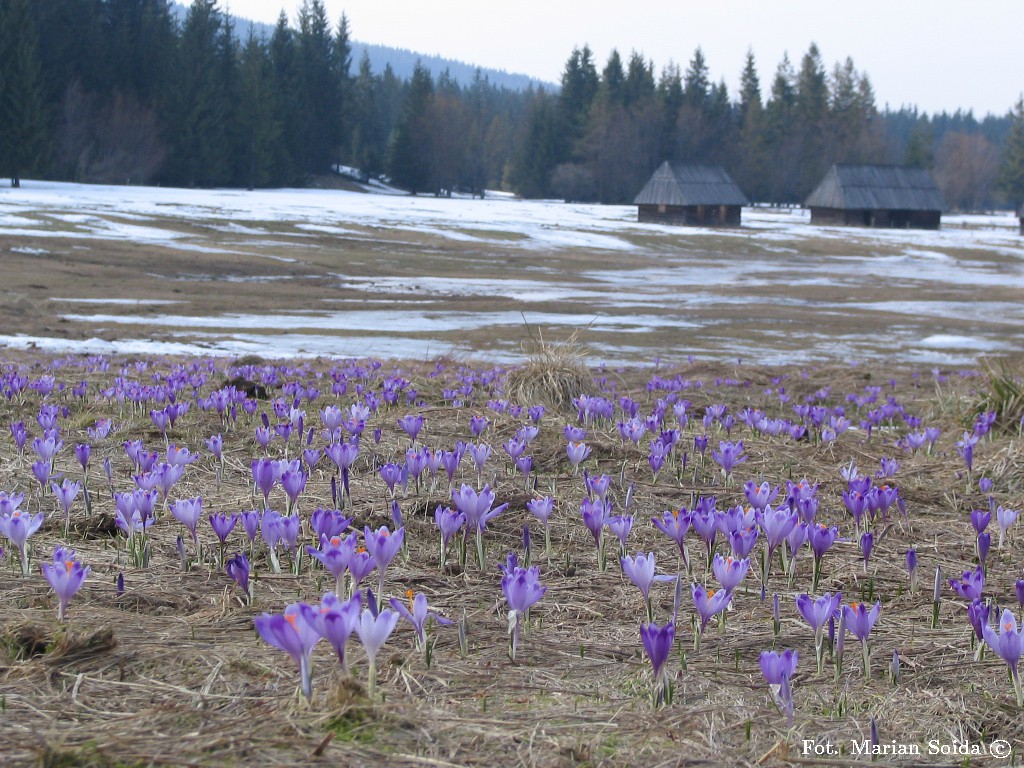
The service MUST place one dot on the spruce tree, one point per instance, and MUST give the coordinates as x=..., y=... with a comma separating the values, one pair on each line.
x=319, y=89
x=256, y=111
x=1010, y=180
x=23, y=138
x=409, y=153
x=197, y=135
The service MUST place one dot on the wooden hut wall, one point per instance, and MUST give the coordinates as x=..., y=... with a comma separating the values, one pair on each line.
x=692, y=215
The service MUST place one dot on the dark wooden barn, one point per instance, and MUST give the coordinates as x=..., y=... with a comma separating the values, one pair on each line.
x=877, y=196
x=702, y=195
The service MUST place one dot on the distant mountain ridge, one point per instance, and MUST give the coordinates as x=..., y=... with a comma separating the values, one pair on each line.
x=402, y=61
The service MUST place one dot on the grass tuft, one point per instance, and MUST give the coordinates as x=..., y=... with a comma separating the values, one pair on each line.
x=1002, y=393
x=554, y=374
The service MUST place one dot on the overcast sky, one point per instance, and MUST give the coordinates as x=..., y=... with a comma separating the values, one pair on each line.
x=937, y=54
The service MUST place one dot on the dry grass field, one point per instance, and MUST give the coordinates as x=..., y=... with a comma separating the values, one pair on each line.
x=171, y=671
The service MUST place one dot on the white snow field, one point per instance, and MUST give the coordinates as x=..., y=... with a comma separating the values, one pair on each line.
x=473, y=273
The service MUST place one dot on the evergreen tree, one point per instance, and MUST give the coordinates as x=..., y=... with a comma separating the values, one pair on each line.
x=409, y=162
x=639, y=86
x=23, y=139
x=750, y=87
x=344, y=79
x=918, y=152
x=287, y=149
x=538, y=153
x=695, y=82
x=613, y=79
x=783, y=143
x=198, y=135
x=137, y=48
x=319, y=89
x=1010, y=180
x=256, y=111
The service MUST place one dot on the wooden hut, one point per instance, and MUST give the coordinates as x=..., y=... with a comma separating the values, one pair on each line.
x=877, y=196
x=702, y=195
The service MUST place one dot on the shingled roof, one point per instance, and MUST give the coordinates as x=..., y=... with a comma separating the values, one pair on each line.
x=685, y=185
x=877, y=188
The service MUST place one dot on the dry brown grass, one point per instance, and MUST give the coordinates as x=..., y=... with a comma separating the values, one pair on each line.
x=171, y=673
x=555, y=373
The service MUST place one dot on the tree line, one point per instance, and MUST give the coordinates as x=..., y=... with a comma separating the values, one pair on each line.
x=117, y=91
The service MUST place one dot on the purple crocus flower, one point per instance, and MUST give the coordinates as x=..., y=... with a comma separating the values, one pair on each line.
x=251, y=523
x=82, y=453
x=336, y=620
x=705, y=522
x=476, y=506
x=595, y=513
x=411, y=424
x=977, y=615
x=65, y=575
x=641, y=571
x=334, y=554
x=821, y=539
x=187, y=512
x=867, y=543
x=215, y=445
x=222, y=525
x=708, y=604
x=777, y=670
x=293, y=632
x=984, y=543
x=359, y=566
x=859, y=620
x=742, y=542
x=17, y=527
x=449, y=522
x=675, y=524
x=417, y=614
x=818, y=613
x=41, y=471
x=391, y=474
x=237, y=568
x=728, y=455
x=1005, y=518
x=522, y=590
x=577, y=451
x=541, y=508
x=1007, y=645
x=479, y=509
x=965, y=448
x=620, y=526
x=970, y=584
x=1018, y=587
x=912, y=567
x=373, y=630
x=980, y=518
x=777, y=524
x=760, y=496
x=66, y=494
x=729, y=571
x=383, y=545
x=294, y=483
x=264, y=476
x=658, y=643
x=328, y=522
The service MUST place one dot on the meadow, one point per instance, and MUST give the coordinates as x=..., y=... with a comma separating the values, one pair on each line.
x=158, y=661
x=532, y=417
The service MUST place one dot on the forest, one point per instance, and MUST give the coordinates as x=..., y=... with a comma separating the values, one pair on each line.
x=118, y=91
